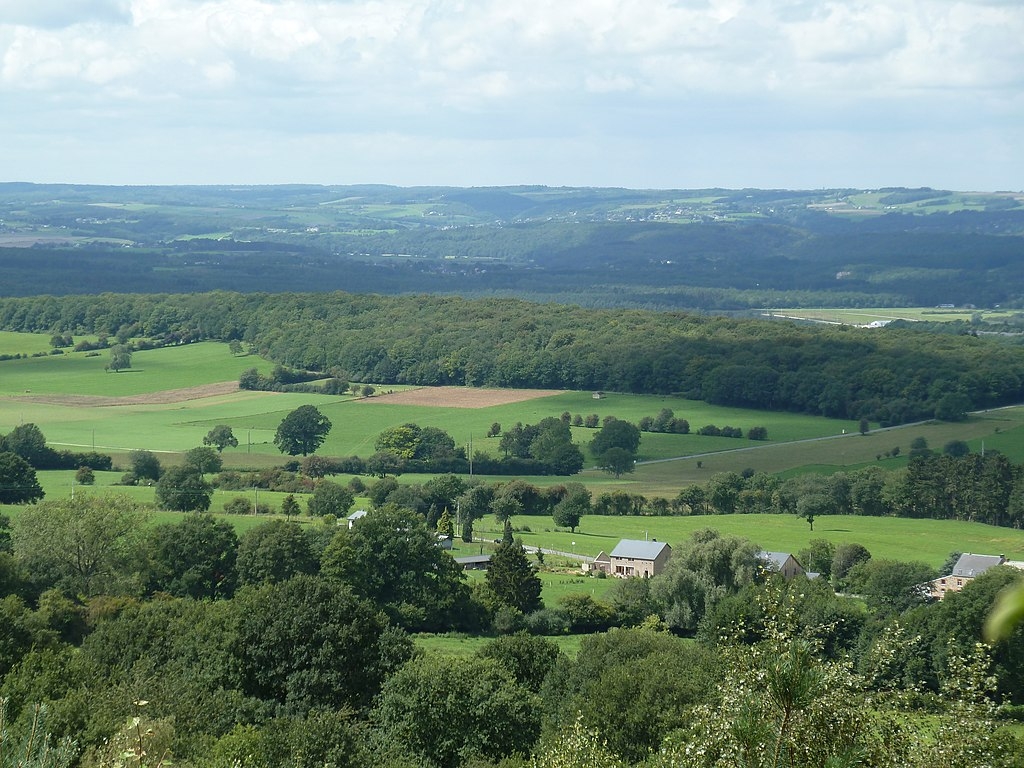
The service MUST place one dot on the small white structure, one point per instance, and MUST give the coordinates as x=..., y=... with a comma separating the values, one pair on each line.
x=359, y=514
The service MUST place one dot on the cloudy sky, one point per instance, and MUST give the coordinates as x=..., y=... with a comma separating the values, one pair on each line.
x=634, y=93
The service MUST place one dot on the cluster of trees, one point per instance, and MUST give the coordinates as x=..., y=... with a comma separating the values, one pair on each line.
x=287, y=646
x=28, y=442
x=889, y=375
x=548, y=442
x=283, y=379
x=973, y=487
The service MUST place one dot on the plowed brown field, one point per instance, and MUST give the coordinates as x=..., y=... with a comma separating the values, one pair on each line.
x=458, y=397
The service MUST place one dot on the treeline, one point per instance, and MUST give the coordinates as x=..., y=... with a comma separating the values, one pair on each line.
x=28, y=442
x=887, y=375
x=976, y=488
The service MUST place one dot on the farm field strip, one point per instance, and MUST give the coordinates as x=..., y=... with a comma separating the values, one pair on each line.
x=868, y=315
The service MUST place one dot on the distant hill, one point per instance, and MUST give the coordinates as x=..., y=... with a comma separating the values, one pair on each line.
x=712, y=249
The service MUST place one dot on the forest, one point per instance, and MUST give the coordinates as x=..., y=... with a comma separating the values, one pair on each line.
x=888, y=375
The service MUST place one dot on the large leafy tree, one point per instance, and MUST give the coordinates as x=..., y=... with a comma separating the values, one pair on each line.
x=302, y=431
x=616, y=434
x=145, y=465
x=18, y=483
x=120, y=358
x=86, y=545
x=617, y=461
x=702, y=571
x=28, y=441
x=330, y=498
x=274, y=552
x=204, y=459
x=634, y=686
x=573, y=506
x=221, y=437
x=391, y=558
x=309, y=643
x=183, y=489
x=193, y=558
x=443, y=715
x=512, y=579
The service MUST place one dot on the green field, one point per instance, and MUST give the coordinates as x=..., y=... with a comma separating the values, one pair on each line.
x=929, y=541
x=31, y=390
x=23, y=343
x=178, y=426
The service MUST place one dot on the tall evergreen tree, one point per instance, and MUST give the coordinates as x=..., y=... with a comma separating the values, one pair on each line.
x=513, y=579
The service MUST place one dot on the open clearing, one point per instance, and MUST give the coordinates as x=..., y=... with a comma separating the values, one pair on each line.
x=459, y=397
x=182, y=395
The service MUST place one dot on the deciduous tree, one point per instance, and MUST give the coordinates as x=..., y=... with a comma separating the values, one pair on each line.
x=204, y=460
x=302, y=431
x=86, y=545
x=391, y=558
x=443, y=715
x=221, y=437
x=192, y=558
x=18, y=482
x=573, y=506
x=183, y=489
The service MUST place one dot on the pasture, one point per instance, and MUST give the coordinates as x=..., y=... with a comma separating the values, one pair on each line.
x=173, y=396
x=929, y=541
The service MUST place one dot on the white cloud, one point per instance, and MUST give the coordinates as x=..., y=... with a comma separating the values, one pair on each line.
x=589, y=77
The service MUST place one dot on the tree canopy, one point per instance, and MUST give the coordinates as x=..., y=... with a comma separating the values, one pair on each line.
x=18, y=482
x=302, y=431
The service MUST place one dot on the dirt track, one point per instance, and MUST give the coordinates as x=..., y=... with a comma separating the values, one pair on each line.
x=152, y=398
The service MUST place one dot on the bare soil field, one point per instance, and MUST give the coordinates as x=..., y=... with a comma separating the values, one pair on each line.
x=151, y=398
x=459, y=397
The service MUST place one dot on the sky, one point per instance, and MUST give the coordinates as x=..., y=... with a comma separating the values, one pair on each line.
x=800, y=94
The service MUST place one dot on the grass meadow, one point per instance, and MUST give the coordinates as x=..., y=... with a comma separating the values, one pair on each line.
x=797, y=443
x=33, y=390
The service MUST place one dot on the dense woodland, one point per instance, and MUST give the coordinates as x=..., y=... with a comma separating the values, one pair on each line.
x=888, y=375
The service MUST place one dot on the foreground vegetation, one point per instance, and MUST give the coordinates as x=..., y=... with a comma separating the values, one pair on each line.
x=288, y=646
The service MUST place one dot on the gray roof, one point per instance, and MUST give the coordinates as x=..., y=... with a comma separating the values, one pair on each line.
x=639, y=550
x=969, y=566
x=778, y=559
x=472, y=559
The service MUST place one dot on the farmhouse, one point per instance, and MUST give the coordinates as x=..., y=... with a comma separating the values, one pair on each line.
x=632, y=557
x=782, y=563
x=968, y=567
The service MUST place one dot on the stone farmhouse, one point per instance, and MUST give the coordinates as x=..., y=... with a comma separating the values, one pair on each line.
x=968, y=567
x=633, y=557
